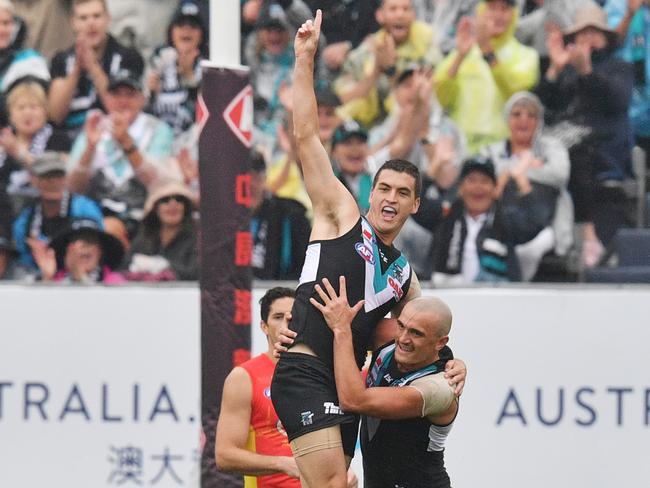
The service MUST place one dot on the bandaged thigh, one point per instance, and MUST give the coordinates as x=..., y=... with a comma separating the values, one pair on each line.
x=328, y=438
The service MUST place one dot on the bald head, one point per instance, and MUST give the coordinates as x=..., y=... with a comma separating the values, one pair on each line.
x=434, y=311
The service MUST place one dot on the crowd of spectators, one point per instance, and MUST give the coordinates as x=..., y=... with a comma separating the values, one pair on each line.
x=520, y=114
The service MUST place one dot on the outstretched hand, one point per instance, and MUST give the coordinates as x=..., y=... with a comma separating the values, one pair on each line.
x=306, y=42
x=335, y=308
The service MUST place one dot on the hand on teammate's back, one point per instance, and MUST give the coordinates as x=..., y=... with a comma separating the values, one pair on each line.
x=456, y=373
x=335, y=308
x=286, y=337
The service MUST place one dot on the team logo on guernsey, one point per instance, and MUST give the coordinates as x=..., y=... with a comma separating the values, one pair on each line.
x=306, y=418
x=365, y=252
x=267, y=392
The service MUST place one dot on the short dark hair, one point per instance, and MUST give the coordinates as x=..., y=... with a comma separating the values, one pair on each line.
x=271, y=296
x=401, y=166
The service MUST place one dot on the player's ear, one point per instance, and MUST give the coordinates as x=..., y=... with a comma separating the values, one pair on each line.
x=265, y=327
x=442, y=342
x=416, y=205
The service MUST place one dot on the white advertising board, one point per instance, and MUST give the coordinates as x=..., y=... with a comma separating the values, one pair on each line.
x=99, y=387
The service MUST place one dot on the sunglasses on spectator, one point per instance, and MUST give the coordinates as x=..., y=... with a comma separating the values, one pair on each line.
x=169, y=198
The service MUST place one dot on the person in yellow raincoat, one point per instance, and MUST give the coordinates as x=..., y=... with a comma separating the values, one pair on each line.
x=488, y=65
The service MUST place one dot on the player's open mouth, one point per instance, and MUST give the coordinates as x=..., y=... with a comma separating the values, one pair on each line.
x=388, y=212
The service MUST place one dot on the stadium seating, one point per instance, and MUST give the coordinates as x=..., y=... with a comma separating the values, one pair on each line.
x=632, y=248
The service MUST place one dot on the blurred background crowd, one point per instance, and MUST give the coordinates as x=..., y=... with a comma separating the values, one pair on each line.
x=529, y=120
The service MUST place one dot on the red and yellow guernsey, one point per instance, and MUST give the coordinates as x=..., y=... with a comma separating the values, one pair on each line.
x=266, y=434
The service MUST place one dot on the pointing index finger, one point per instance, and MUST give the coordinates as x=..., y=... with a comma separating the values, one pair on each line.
x=318, y=20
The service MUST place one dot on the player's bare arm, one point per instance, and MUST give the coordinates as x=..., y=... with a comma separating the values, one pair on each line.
x=232, y=433
x=381, y=402
x=335, y=211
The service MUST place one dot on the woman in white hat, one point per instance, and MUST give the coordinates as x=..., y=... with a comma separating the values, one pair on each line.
x=587, y=92
x=166, y=246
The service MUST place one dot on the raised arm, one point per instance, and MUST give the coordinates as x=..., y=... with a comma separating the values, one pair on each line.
x=232, y=433
x=335, y=210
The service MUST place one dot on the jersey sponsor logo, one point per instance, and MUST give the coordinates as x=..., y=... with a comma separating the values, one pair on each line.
x=332, y=409
x=267, y=392
x=365, y=252
x=397, y=288
x=306, y=418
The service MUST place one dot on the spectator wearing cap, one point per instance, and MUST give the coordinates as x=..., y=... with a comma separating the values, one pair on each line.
x=174, y=72
x=279, y=228
x=81, y=254
x=80, y=75
x=270, y=57
x=120, y=153
x=586, y=91
x=350, y=155
x=474, y=237
x=166, y=245
x=54, y=209
x=532, y=163
x=487, y=67
x=29, y=136
x=365, y=80
x=16, y=62
x=355, y=162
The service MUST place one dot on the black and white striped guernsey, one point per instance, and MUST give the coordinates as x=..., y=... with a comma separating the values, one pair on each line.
x=374, y=272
